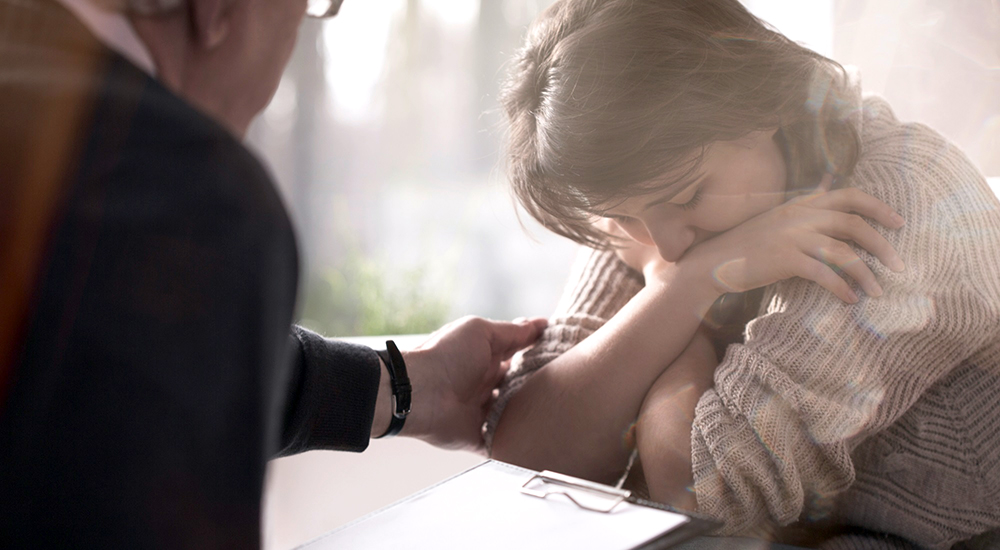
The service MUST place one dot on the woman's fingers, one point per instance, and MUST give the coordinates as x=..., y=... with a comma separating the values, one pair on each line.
x=808, y=237
x=841, y=256
x=856, y=201
x=817, y=271
x=851, y=227
x=842, y=221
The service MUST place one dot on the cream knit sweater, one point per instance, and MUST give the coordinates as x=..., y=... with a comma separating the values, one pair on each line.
x=884, y=414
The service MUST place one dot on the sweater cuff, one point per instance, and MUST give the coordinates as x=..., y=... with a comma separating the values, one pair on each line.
x=604, y=284
x=338, y=387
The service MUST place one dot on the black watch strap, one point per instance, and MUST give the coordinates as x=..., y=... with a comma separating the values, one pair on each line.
x=400, y=384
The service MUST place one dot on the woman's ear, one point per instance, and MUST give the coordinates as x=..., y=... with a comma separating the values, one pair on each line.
x=211, y=22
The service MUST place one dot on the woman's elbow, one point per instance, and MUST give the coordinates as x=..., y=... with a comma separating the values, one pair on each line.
x=512, y=443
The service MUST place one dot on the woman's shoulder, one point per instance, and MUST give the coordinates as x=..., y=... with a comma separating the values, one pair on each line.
x=952, y=215
x=916, y=170
x=908, y=153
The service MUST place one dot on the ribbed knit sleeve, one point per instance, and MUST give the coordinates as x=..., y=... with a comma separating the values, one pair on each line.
x=815, y=377
x=599, y=285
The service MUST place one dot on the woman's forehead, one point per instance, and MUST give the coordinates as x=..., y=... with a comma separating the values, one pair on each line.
x=641, y=199
x=663, y=188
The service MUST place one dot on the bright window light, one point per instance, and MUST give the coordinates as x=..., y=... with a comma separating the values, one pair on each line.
x=355, y=44
x=454, y=13
x=809, y=22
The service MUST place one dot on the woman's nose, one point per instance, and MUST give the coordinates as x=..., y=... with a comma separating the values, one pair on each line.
x=671, y=238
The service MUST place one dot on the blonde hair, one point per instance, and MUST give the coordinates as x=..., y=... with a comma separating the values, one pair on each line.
x=609, y=95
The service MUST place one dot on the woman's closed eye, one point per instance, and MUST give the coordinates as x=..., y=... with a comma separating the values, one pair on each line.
x=692, y=202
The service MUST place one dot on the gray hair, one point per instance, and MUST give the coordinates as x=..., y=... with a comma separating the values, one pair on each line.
x=141, y=7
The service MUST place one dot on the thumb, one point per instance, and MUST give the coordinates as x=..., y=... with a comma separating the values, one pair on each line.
x=508, y=338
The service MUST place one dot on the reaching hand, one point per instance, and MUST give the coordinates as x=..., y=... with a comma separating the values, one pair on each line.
x=454, y=373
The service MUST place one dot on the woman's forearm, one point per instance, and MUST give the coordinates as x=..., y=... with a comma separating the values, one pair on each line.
x=663, y=430
x=571, y=416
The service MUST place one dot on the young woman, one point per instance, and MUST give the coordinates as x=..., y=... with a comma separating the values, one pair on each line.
x=702, y=155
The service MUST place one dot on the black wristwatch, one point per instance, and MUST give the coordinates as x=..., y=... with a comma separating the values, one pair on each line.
x=401, y=389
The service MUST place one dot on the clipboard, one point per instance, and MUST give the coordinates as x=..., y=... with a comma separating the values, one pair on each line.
x=499, y=506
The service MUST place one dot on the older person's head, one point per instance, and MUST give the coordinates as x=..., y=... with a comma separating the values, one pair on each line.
x=225, y=56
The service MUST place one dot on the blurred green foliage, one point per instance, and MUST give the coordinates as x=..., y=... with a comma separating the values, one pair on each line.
x=363, y=298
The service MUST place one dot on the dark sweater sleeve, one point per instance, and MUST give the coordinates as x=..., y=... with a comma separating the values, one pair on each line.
x=332, y=394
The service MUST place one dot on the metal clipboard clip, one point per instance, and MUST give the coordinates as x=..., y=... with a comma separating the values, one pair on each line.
x=607, y=498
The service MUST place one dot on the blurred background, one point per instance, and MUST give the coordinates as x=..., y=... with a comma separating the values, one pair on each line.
x=385, y=138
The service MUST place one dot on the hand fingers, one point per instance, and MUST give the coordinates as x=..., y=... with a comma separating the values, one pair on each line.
x=841, y=256
x=489, y=402
x=499, y=374
x=817, y=271
x=508, y=338
x=493, y=380
x=851, y=227
x=502, y=371
x=855, y=200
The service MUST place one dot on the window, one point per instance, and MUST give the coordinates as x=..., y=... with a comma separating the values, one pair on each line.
x=385, y=138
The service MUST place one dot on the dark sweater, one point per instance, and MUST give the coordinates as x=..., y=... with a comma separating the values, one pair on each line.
x=149, y=273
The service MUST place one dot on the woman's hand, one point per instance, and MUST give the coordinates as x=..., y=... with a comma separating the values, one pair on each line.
x=805, y=237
